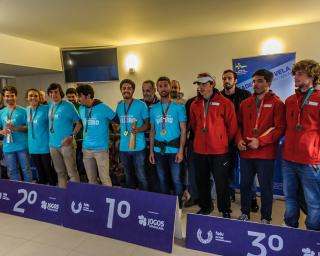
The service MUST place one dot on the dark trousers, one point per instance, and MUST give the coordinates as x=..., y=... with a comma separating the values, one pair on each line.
x=218, y=165
x=46, y=173
x=151, y=173
x=264, y=169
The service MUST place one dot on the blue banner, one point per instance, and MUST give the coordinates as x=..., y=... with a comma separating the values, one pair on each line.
x=232, y=237
x=282, y=85
x=133, y=216
x=33, y=201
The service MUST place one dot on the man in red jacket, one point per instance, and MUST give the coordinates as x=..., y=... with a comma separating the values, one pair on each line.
x=301, y=150
x=261, y=120
x=213, y=120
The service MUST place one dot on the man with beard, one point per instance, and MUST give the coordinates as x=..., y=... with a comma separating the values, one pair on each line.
x=150, y=98
x=133, y=115
x=301, y=149
x=214, y=122
x=14, y=129
x=167, y=139
x=261, y=120
x=236, y=95
x=176, y=93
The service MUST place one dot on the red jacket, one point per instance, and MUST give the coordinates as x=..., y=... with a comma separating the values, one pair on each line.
x=272, y=115
x=221, y=125
x=303, y=146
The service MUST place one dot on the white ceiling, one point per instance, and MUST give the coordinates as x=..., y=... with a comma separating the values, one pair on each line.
x=88, y=23
x=77, y=23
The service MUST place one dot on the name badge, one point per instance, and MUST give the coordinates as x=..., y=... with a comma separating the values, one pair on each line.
x=267, y=105
x=215, y=103
x=312, y=103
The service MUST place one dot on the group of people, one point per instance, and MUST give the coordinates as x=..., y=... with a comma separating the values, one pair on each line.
x=168, y=144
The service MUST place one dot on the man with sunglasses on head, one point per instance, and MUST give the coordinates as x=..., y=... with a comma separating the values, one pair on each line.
x=213, y=120
x=62, y=117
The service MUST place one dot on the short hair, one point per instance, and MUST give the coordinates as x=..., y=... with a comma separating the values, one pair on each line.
x=235, y=75
x=71, y=91
x=267, y=75
x=55, y=86
x=85, y=89
x=310, y=67
x=177, y=82
x=9, y=88
x=150, y=82
x=128, y=81
x=32, y=89
x=164, y=78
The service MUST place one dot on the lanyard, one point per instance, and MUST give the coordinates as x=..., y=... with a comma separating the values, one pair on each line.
x=31, y=120
x=52, y=113
x=205, y=114
x=10, y=117
x=88, y=117
x=258, y=111
x=306, y=99
x=164, y=114
x=126, y=111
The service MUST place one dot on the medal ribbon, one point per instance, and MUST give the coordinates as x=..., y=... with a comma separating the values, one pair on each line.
x=258, y=111
x=52, y=113
x=205, y=113
x=31, y=120
x=126, y=111
x=9, y=117
x=88, y=117
x=164, y=113
x=306, y=99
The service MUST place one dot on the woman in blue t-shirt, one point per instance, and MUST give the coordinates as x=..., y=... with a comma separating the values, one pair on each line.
x=38, y=137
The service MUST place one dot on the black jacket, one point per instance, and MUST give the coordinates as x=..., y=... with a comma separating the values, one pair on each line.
x=237, y=97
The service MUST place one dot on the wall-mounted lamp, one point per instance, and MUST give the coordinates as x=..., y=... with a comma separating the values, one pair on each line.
x=272, y=46
x=132, y=63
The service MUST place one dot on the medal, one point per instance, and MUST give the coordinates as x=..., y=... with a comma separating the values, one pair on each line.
x=126, y=111
x=255, y=131
x=125, y=133
x=204, y=130
x=164, y=116
x=163, y=132
x=299, y=127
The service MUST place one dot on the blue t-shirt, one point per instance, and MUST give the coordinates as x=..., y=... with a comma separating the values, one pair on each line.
x=19, y=139
x=138, y=112
x=38, y=129
x=175, y=115
x=64, y=116
x=96, y=137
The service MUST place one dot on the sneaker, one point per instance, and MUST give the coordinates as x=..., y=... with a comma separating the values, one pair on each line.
x=265, y=221
x=244, y=217
x=254, y=205
x=226, y=215
x=204, y=212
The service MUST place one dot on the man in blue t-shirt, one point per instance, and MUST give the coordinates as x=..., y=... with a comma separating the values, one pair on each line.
x=95, y=117
x=14, y=129
x=167, y=138
x=133, y=116
x=62, y=116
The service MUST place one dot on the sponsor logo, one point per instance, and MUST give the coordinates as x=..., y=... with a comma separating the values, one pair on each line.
x=49, y=206
x=151, y=222
x=240, y=69
x=308, y=252
x=206, y=240
x=81, y=206
x=267, y=105
x=215, y=103
x=168, y=119
x=312, y=103
x=4, y=196
x=93, y=121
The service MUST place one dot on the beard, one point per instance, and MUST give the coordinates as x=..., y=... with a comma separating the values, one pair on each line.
x=164, y=94
x=228, y=86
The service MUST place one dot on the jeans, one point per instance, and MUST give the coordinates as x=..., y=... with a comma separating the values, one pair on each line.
x=309, y=176
x=12, y=159
x=133, y=163
x=168, y=168
x=264, y=169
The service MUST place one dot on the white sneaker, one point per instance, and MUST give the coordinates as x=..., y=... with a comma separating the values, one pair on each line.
x=264, y=221
x=243, y=217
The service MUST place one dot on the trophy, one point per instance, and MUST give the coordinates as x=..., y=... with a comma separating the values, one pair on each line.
x=132, y=142
x=9, y=138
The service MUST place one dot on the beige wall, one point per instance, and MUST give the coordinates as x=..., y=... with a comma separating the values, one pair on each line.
x=17, y=51
x=183, y=59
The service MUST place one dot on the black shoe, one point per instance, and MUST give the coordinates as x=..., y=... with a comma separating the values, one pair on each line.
x=204, y=212
x=226, y=215
x=254, y=205
x=190, y=202
x=232, y=194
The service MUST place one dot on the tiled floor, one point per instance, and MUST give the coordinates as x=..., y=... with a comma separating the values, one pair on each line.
x=25, y=237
